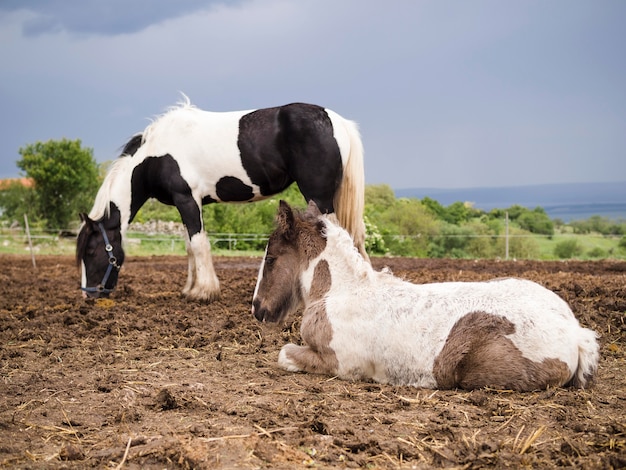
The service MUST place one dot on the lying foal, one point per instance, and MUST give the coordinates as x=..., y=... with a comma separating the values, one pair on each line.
x=362, y=324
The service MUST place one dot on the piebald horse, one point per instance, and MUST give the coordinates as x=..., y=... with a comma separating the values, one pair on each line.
x=189, y=157
x=359, y=323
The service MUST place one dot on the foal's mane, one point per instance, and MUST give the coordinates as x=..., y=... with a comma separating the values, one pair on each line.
x=339, y=240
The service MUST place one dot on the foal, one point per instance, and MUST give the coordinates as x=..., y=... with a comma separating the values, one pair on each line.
x=362, y=324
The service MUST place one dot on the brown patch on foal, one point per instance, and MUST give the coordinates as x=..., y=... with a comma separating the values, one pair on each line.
x=316, y=329
x=478, y=354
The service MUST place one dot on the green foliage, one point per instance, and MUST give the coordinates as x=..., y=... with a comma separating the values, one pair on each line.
x=66, y=181
x=380, y=196
x=536, y=221
x=521, y=245
x=456, y=213
x=407, y=225
x=450, y=242
x=568, y=249
x=374, y=240
x=17, y=200
x=597, y=252
x=599, y=224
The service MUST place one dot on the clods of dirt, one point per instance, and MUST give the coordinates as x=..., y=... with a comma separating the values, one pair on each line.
x=148, y=379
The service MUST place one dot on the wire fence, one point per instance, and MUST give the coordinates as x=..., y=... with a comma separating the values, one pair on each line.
x=16, y=239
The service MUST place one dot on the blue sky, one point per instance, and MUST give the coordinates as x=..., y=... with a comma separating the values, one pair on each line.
x=448, y=94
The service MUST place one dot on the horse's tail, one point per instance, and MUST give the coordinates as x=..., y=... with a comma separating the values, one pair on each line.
x=349, y=199
x=588, y=357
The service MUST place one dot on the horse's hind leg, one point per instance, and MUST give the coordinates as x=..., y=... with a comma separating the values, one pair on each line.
x=202, y=282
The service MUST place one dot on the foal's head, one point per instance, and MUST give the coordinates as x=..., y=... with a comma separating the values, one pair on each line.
x=100, y=254
x=298, y=239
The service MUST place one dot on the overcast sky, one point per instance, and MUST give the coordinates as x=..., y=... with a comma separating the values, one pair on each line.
x=448, y=94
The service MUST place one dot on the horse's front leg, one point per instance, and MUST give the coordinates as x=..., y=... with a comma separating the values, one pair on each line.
x=202, y=282
x=303, y=358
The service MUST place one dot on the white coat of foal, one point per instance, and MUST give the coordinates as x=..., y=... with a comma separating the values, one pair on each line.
x=359, y=323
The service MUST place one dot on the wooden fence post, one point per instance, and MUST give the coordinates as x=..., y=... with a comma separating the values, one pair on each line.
x=30, y=242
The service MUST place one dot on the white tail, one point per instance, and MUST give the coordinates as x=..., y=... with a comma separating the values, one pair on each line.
x=350, y=198
x=588, y=357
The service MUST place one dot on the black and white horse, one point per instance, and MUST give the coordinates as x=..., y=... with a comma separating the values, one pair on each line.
x=362, y=324
x=189, y=157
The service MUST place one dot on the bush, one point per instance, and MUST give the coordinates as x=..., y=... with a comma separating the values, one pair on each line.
x=568, y=249
x=374, y=241
x=597, y=252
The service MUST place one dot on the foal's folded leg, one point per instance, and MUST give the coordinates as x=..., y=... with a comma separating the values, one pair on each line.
x=303, y=358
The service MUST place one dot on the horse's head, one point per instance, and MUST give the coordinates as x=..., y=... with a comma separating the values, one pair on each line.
x=298, y=239
x=100, y=254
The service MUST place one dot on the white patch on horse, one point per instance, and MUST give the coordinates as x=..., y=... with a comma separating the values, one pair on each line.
x=210, y=138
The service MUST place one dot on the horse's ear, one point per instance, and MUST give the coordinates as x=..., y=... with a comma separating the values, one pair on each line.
x=88, y=224
x=285, y=220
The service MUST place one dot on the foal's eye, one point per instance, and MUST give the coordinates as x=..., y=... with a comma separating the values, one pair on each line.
x=269, y=261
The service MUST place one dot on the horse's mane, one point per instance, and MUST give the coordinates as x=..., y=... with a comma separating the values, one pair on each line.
x=183, y=104
x=101, y=205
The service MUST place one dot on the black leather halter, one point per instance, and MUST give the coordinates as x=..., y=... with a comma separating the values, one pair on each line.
x=101, y=288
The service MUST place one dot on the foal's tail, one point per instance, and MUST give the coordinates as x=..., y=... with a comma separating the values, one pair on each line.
x=350, y=197
x=588, y=357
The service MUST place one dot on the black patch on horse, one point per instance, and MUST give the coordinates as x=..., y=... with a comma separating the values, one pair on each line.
x=160, y=178
x=231, y=189
x=133, y=145
x=291, y=143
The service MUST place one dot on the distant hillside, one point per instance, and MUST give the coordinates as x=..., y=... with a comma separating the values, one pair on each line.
x=567, y=201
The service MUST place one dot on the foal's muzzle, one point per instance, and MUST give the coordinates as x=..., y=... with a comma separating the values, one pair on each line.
x=264, y=314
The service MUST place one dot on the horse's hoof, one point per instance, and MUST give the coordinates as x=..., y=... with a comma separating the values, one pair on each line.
x=285, y=363
x=202, y=296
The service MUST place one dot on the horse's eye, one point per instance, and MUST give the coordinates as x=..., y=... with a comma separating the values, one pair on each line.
x=269, y=261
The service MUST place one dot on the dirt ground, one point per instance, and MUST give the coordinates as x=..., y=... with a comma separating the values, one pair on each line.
x=147, y=379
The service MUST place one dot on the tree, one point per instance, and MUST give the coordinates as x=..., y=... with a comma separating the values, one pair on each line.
x=379, y=195
x=66, y=179
x=15, y=200
x=536, y=221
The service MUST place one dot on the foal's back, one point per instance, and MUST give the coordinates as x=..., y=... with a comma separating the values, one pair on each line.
x=506, y=333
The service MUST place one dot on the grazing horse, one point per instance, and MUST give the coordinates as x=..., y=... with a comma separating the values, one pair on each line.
x=189, y=157
x=362, y=324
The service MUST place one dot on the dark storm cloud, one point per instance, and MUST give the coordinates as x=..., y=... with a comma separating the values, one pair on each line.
x=107, y=18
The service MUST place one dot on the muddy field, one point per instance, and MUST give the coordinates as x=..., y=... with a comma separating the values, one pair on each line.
x=150, y=380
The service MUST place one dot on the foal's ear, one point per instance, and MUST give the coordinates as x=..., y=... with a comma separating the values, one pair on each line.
x=313, y=209
x=285, y=220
